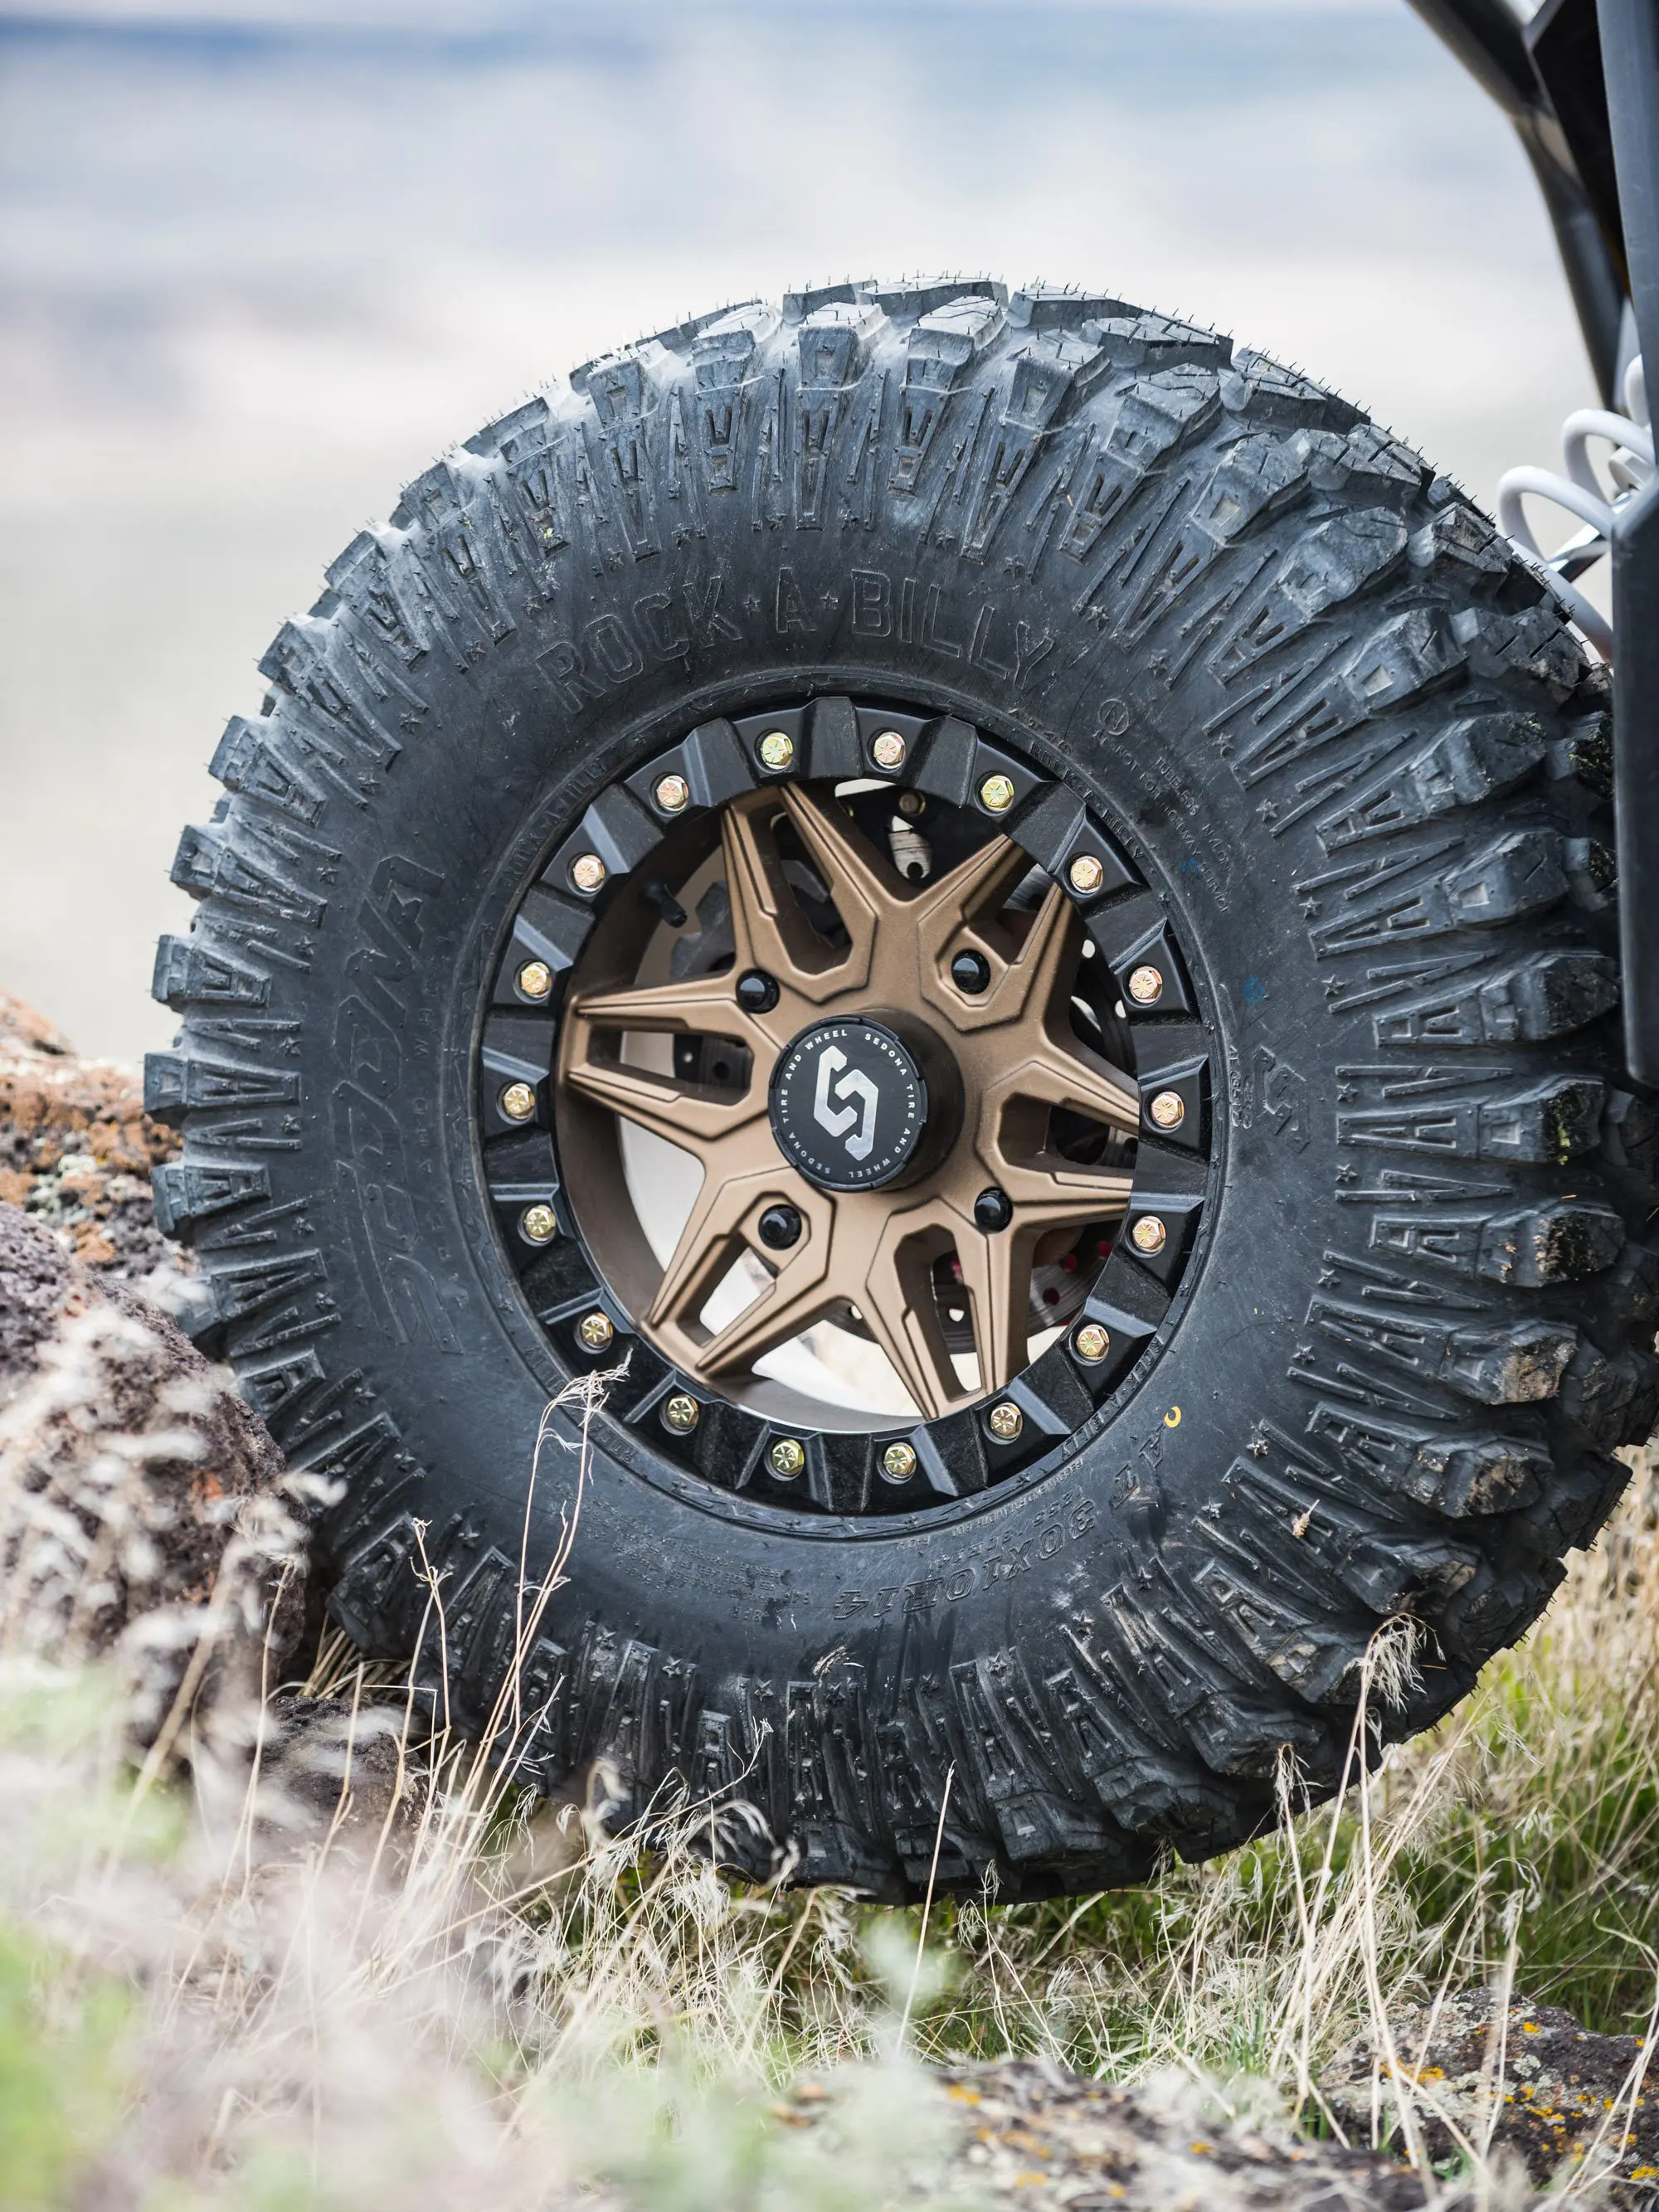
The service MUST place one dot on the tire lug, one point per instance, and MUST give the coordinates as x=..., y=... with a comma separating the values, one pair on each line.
x=780, y=1227
x=971, y=973
x=993, y=1209
x=757, y=991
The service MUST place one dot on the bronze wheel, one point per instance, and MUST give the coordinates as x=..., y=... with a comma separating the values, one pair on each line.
x=844, y=1109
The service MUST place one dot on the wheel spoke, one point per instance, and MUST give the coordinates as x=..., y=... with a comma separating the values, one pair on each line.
x=960, y=915
x=703, y=1005
x=770, y=927
x=801, y=1293
x=901, y=1312
x=1073, y=1079
x=690, y=1114
x=720, y=1229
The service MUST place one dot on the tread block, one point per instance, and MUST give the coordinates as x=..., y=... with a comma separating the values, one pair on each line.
x=193, y=970
x=1547, y=996
x=1548, y=1124
x=188, y=1190
x=1455, y=1476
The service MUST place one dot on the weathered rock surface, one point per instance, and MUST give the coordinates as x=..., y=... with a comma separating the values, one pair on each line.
x=1528, y=2076
x=76, y=1147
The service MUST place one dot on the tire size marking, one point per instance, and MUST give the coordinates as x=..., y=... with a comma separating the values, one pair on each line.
x=878, y=1601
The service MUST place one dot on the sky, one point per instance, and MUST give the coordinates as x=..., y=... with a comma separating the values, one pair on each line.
x=260, y=263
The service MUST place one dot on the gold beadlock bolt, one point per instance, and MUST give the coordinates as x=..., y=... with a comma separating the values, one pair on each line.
x=518, y=1101
x=1092, y=1343
x=888, y=750
x=898, y=1462
x=996, y=795
x=1146, y=986
x=673, y=794
x=588, y=871
x=1149, y=1233
x=777, y=749
x=1004, y=1422
x=786, y=1458
x=682, y=1413
x=538, y=1225
x=596, y=1331
x=1168, y=1109
x=1086, y=874
x=534, y=980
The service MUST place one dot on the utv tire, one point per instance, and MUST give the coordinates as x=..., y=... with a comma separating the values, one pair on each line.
x=1345, y=772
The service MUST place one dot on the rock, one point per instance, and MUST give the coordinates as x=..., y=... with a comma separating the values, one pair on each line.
x=1553, y=2092
x=76, y=1147
x=1047, y=2141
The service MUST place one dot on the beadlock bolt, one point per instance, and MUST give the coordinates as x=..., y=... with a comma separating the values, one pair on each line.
x=596, y=1331
x=888, y=750
x=1004, y=1421
x=1092, y=1343
x=898, y=1463
x=776, y=748
x=534, y=980
x=681, y=1412
x=1149, y=1233
x=673, y=794
x=1086, y=874
x=1146, y=986
x=996, y=795
x=588, y=871
x=538, y=1225
x=1168, y=1109
x=786, y=1458
x=518, y=1101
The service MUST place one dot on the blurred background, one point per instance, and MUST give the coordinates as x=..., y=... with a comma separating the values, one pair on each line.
x=260, y=260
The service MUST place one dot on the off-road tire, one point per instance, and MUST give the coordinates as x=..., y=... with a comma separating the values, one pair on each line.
x=1360, y=771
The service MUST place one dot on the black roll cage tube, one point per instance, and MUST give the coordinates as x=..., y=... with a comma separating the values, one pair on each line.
x=1580, y=83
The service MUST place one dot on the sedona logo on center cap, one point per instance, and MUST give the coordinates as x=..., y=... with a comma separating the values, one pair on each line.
x=839, y=1118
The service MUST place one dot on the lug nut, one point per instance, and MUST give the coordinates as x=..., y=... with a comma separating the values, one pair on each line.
x=518, y=1101
x=1092, y=1343
x=970, y=972
x=673, y=794
x=776, y=748
x=534, y=980
x=538, y=1225
x=596, y=1331
x=780, y=1227
x=756, y=993
x=1146, y=986
x=786, y=1458
x=1086, y=874
x=996, y=795
x=681, y=1413
x=1168, y=1109
x=898, y=1463
x=1004, y=1422
x=993, y=1209
x=1149, y=1233
x=588, y=871
x=888, y=750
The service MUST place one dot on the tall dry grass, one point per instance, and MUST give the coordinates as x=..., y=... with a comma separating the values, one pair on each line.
x=271, y=1986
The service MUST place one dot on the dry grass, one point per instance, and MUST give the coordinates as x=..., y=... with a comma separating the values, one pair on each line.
x=264, y=1991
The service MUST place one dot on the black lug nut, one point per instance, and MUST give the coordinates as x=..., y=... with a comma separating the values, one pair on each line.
x=993, y=1208
x=756, y=993
x=780, y=1227
x=970, y=972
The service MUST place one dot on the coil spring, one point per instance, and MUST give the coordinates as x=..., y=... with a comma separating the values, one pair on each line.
x=1582, y=493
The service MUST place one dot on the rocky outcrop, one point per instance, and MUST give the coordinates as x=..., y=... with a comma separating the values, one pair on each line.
x=1524, y=2076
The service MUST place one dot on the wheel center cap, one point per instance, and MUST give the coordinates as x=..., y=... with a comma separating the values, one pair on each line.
x=849, y=1104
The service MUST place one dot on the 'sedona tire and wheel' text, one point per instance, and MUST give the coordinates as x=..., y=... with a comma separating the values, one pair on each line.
x=1002, y=910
